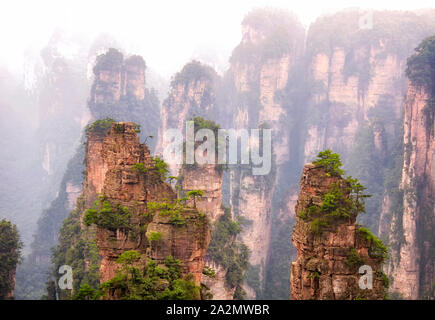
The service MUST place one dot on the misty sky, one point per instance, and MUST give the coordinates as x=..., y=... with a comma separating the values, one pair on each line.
x=167, y=33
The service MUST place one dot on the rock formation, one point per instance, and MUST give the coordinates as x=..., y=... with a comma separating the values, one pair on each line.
x=10, y=251
x=413, y=266
x=121, y=177
x=193, y=93
x=330, y=251
x=208, y=178
x=134, y=100
x=123, y=185
x=260, y=72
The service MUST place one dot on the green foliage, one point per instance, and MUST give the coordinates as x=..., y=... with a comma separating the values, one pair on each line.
x=314, y=275
x=10, y=255
x=161, y=167
x=150, y=281
x=377, y=249
x=108, y=216
x=354, y=260
x=335, y=205
x=136, y=127
x=330, y=162
x=209, y=272
x=192, y=72
x=86, y=292
x=173, y=209
x=77, y=245
x=344, y=200
x=201, y=123
x=119, y=128
x=225, y=249
x=155, y=236
x=193, y=194
x=128, y=257
x=100, y=126
x=384, y=278
x=139, y=167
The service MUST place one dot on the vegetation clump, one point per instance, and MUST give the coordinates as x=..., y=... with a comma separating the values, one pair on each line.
x=160, y=168
x=377, y=249
x=354, y=260
x=227, y=251
x=330, y=162
x=344, y=200
x=173, y=209
x=100, y=126
x=107, y=215
x=136, y=280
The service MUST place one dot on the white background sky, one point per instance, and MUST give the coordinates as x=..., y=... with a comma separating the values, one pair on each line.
x=167, y=33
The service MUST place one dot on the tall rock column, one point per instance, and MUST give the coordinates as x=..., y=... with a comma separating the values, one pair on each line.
x=208, y=178
x=413, y=268
x=260, y=74
x=128, y=189
x=331, y=247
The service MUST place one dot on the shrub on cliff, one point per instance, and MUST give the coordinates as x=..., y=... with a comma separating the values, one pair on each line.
x=377, y=249
x=100, y=126
x=330, y=162
x=108, y=216
x=150, y=281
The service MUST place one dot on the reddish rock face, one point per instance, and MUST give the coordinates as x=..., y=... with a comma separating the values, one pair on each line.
x=322, y=270
x=110, y=159
x=209, y=179
x=413, y=269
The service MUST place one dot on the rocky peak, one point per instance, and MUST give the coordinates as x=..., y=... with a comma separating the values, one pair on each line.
x=330, y=245
x=127, y=178
x=116, y=78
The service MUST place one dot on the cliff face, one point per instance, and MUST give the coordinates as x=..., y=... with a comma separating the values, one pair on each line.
x=324, y=269
x=113, y=165
x=260, y=73
x=413, y=268
x=348, y=99
x=116, y=78
x=359, y=82
x=209, y=179
x=193, y=93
